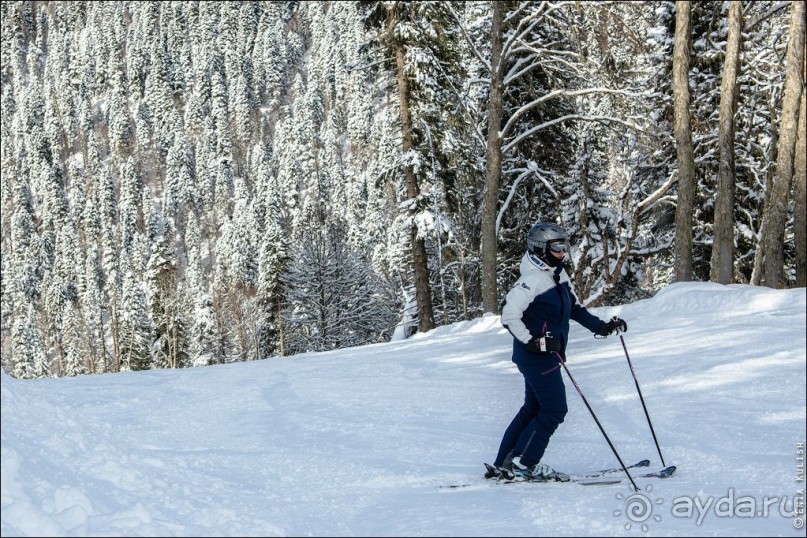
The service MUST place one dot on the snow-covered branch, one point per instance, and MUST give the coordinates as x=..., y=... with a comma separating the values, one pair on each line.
x=516, y=12
x=529, y=132
x=543, y=53
x=518, y=69
x=470, y=41
x=462, y=101
x=775, y=8
x=367, y=66
x=558, y=93
x=531, y=169
x=544, y=9
x=645, y=204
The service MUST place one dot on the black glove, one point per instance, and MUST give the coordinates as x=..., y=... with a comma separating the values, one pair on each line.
x=609, y=327
x=549, y=344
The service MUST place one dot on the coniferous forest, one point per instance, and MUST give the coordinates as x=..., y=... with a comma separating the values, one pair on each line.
x=193, y=183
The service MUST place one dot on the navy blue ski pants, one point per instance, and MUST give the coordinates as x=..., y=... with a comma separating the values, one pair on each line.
x=543, y=410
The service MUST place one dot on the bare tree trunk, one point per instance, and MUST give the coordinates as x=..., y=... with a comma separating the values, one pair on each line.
x=105, y=364
x=169, y=341
x=799, y=192
x=775, y=214
x=463, y=284
x=128, y=361
x=582, y=283
x=759, y=255
x=683, y=144
x=114, y=329
x=92, y=356
x=418, y=246
x=722, y=269
x=493, y=166
x=281, y=329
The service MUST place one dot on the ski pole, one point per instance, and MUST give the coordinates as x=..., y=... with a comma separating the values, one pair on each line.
x=590, y=410
x=642, y=400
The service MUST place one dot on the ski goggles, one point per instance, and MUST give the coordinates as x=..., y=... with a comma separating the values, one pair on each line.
x=558, y=245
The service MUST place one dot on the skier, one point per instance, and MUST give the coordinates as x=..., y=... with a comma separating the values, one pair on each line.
x=536, y=312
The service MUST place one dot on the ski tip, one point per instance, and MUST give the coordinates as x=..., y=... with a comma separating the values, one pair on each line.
x=667, y=471
x=643, y=463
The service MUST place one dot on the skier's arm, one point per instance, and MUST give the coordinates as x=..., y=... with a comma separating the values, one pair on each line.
x=583, y=316
x=516, y=302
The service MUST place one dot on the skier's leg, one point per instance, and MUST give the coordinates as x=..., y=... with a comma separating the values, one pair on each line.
x=525, y=415
x=544, y=379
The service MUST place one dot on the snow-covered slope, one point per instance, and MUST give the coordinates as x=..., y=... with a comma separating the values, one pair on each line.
x=357, y=441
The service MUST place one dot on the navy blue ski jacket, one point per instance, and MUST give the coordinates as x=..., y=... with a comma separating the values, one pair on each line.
x=541, y=303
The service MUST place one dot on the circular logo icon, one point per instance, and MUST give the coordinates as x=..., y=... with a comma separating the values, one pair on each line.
x=638, y=508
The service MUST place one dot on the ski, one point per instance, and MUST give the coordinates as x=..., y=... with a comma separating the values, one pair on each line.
x=595, y=474
x=589, y=478
x=667, y=472
x=501, y=482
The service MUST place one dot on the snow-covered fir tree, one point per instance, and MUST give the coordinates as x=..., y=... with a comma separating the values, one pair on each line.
x=177, y=178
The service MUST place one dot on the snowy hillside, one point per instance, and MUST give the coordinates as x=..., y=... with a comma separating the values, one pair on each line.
x=357, y=441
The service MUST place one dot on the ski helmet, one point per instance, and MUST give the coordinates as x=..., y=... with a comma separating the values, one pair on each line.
x=545, y=237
